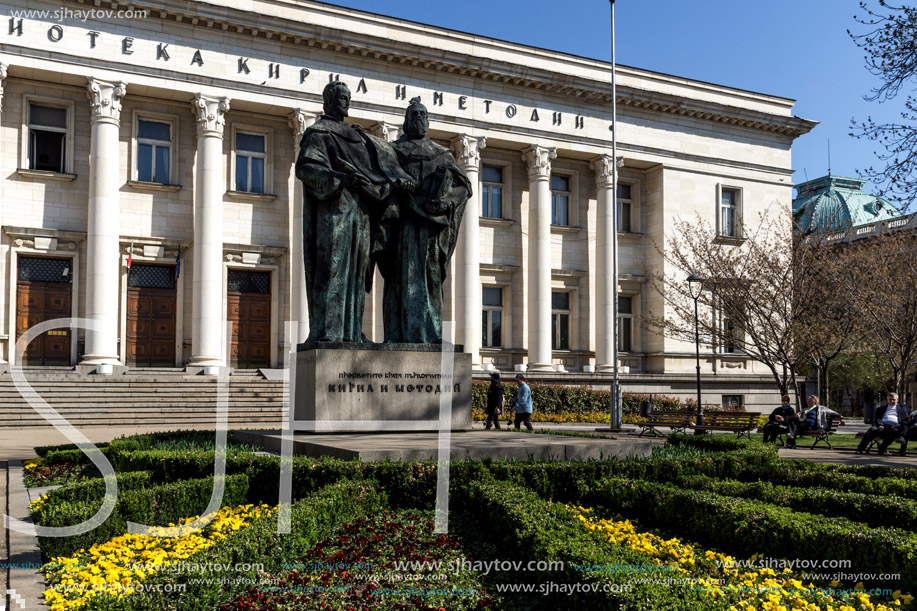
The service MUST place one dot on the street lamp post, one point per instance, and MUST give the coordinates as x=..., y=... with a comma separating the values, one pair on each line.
x=695, y=285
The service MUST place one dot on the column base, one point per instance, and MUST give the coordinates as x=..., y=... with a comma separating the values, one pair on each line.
x=607, y=368
x=205, y=361
x=99, y=359
x=539, y=367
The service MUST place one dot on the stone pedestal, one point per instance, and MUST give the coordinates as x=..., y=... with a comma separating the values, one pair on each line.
x=343, y=388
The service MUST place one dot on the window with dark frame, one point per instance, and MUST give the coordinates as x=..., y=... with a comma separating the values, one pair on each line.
x=492, y=192
x=47, y=137
x=625, y=208
x=492, y=317
x=560, y=200
x=560, y=320
x=154, y=150
x=251, y=156
x=732, y=401
x=625, y=323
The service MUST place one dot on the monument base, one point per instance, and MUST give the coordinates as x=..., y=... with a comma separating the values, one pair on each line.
x=354, y=390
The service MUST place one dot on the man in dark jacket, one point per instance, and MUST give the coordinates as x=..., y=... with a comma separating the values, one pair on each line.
x=890, y=424
x=911, y=434
x=782, y=420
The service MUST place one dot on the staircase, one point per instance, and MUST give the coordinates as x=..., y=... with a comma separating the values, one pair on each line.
x=157, y=396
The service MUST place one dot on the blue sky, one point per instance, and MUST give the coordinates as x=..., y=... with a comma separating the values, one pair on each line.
x=793, y=48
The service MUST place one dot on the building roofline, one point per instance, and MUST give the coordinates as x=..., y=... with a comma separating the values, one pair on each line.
x=374, y=37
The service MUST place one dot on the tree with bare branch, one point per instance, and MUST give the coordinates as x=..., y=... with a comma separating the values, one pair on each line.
x=781, y=314
x=890, y=56
x=880, y=281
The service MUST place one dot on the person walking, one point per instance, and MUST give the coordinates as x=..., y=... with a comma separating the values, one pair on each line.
x=495, y=401
x=523, y=405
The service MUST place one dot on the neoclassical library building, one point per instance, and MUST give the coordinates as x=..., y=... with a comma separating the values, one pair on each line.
x=147, y=183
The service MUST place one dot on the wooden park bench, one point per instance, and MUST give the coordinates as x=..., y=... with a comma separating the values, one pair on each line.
x=676, y=421
x=874, y=441
x=740, y=423
x=822, y=434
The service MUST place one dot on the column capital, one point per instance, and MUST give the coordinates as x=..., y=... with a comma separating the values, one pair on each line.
x=299, y=121
x=538, y=159
x=210, y=113
x=603, y=170
x=467, y=150
x=105, y=100
x=387, y=131
x=3, y=68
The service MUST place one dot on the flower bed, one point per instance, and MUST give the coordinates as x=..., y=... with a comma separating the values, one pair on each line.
x=37, y=473
x=114, y=568
x=718, y=577
x=356, y=569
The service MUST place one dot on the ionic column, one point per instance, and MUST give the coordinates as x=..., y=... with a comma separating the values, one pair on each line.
x=3, y=323
x=300, y=120
x=207, y=299
x=467, y=152
x=538, y=159
x=604, y=274
x=103, y=230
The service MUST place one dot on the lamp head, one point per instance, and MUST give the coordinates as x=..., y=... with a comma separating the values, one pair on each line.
x=695, y=285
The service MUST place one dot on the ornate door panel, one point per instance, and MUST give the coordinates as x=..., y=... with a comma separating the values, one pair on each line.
x=249, y=309
x=43, y=292
x=151, y=299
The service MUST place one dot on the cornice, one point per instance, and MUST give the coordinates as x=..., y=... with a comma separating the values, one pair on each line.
x=363, y=47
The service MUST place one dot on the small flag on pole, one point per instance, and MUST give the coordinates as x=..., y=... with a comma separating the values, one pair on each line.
x=130, y=256
x=178, y=264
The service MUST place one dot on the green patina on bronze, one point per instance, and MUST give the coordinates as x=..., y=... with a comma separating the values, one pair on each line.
x=368, y=202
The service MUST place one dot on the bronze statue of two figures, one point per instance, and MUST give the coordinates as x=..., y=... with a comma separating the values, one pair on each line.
x=368, y=203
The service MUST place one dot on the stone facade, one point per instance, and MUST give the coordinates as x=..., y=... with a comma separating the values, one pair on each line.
x=538, y=120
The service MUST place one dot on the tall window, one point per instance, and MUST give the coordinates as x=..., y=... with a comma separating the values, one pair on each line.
x=47, y=137
x=560, y=200
x=250, y=160
x=729, y=213
x=625, y=208
x=154, y=148
x=730, y=336
x=560, y=320
x=492, y=192
x=492, y=317
x=625, y=323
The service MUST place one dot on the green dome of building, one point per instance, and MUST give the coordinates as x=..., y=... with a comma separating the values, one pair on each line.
x=836, y=203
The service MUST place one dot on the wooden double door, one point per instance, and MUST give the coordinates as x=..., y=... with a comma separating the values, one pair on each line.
x=248, y=299
x=44, y=292
x=151, y=316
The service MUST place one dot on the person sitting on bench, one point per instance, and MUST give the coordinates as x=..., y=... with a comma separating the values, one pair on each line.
x=813, y=418
x=911, y=434
x=781, y=421
x=890, y=424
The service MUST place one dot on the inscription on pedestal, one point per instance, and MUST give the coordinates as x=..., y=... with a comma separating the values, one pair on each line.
x=351, y=390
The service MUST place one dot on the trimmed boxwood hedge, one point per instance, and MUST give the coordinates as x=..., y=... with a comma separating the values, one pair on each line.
x=156, y=506
x=85, y=490
x=312, y=519
x=875, y=510
x=745, y=527
x=526, y=525
x=557, y=399
x=43, y=451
